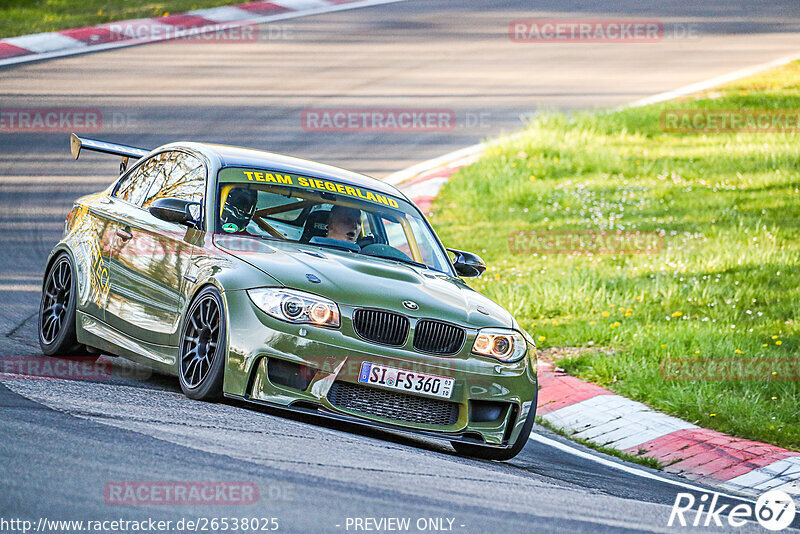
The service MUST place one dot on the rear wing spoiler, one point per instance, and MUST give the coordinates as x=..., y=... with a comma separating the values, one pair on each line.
x=77, y=143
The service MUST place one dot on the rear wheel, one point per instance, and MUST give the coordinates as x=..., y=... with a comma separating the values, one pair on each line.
x=492, y=453
x=57, y=335
x=202, y=350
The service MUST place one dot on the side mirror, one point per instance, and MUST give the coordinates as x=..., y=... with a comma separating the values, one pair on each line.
x=175, y=210
x=467, y=264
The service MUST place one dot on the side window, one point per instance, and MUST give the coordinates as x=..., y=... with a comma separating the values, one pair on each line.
x=182, y=176
x=135, y=186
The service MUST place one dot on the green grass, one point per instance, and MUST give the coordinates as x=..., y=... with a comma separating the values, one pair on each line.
x=725, y=285
x=642, y=460
x=21, y=17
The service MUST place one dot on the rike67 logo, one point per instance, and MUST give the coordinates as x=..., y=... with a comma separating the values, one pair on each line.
x=774, y=510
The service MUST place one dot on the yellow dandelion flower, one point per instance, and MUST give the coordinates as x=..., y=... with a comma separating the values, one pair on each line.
x=677, y=314
x=774, y=337
x=779, y=342
x=606, y=314
x=592, y=323
x=555, y=323
x=697, y=352
x=663, y=346
x=764, y=345
x=737, y=351
x=712, y=414
x=541, y=338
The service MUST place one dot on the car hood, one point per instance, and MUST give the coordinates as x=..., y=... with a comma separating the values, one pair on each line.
x=364, y=281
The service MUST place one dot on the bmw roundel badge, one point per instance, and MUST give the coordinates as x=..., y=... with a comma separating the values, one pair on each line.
x=410, y=304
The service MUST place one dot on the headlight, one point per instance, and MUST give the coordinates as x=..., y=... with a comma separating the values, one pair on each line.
x=295, y=306
x=505, y=345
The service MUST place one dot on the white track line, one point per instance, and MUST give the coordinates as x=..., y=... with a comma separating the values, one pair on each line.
x=251, y=21
x=440, y=161
x=710, y=83
x=473, y=150
x=627, y=468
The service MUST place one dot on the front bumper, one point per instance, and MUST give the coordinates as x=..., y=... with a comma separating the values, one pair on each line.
x=325, y=357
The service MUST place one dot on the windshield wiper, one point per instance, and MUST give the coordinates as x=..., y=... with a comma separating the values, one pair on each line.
x=395, y=258
x=334, y=243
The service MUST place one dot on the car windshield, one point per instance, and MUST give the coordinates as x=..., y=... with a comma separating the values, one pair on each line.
x=325, y=213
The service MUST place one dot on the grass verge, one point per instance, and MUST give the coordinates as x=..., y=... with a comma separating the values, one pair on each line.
x=721, y=287
x=21, y=17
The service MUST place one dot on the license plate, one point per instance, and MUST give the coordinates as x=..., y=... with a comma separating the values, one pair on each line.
x=410, y=381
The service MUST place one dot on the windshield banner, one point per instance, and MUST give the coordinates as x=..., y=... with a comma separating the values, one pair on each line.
x=266, y=177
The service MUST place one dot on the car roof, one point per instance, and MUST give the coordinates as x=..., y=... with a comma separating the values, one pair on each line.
x=234, y=156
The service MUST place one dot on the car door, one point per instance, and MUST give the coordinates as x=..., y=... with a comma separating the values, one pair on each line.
x=151, y=256
x=92, y=237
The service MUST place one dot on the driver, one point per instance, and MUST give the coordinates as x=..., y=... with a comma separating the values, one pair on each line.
x=343, y=223
x=239, y=208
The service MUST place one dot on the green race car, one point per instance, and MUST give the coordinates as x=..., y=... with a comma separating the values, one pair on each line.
x=289, y=283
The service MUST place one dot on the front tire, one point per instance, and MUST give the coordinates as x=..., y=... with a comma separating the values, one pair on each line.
x=202, y=350
x=57, y=331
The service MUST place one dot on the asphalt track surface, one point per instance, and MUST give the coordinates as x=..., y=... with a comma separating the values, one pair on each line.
x=61, y=442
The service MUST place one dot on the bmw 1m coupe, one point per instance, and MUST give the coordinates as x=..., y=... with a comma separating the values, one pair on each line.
x=285, y=282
